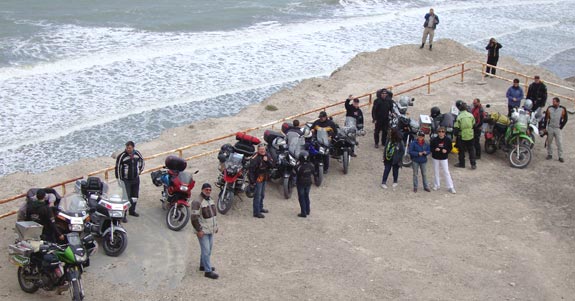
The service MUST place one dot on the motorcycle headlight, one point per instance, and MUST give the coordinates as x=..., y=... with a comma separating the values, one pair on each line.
x=117, y=214
x=81, y=258
x=184, y=188
x=76, y=228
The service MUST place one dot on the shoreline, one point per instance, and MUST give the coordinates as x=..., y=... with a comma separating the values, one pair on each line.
x=309, y=93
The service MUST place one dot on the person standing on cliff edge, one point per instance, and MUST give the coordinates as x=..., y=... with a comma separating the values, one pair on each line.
x=431, y=21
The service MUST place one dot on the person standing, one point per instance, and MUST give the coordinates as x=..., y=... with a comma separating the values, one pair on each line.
x=478, y=114
x=353, y=111
x=514, y=96
x=205, y=226
x=537, y=92
x=259, y=167
x=304, y=171
x=430, y=24
x=555, y=120
x=464, y=133
x=440, y=149
x=38, y=210
x=392, y=154
x=492, y=55
x=129, y=166
x=326, y=124
x=419, y=150
x=380, y=111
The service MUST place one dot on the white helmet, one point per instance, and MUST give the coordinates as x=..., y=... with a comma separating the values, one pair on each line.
x=528, y=105
x=306, y=132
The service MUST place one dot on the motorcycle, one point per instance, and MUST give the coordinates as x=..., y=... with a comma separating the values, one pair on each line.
x=72, y=213
x=234, y=162
x=318, y=149
x=108, y=206
x=515, y=140
x=344, y=143
x=48, y=265
x=284, y=152
x=178, y=185
x=407, y=126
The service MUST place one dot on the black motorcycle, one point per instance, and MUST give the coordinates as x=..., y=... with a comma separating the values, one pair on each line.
x=284, y=150
x=318, y=148
x=343, y=144
x=108, y=206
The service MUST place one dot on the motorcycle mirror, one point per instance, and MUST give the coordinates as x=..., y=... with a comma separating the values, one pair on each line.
x=488, y=106
x=196, y=171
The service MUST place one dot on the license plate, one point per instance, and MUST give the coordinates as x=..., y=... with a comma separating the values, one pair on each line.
x=76, y=221
x=117, y=207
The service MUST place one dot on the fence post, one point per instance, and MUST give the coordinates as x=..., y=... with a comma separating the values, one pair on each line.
x=483, y=68
x=429, y=84
x=63, y=189
x=526, y=86
x=180, y=153
x=462, y=71
x=106, y=177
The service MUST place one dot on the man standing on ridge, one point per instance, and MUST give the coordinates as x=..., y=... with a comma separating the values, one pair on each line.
x=431, y=21
x=129, y=166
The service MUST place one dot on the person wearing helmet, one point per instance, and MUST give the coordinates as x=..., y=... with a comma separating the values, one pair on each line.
x=419, y=150
x=380, y=111
x=354, y=111
x=514, y=96
x=464, y=133
x=331, y=128
x=478, y=114
x=304, y=172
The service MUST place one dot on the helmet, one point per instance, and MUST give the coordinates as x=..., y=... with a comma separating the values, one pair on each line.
x=285, y=127
x=528, y=105
x=435, y=111
x=306, y=132
x=403, y=103
x=458, y=104
x=303, y=156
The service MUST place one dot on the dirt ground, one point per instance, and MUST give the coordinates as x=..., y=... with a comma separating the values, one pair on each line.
x=508, y=234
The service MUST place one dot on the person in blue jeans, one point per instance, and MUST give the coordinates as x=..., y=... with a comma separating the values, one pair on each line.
x=394, y=150
x=419, y=150
x=304, y=173
x=260, y=164
x=205, y=225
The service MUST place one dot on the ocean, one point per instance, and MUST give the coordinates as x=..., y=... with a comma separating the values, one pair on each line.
x=79, y=78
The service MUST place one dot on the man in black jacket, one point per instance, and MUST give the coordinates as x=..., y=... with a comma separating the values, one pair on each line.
x=129, y=165
x=330, y=127
x=537, y=92
x=260, y=165
x=37, y=210
x=382, y=106
x=304, y=178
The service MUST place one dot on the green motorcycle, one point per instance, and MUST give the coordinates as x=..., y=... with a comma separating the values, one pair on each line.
x=516, y=142
x=48, y=265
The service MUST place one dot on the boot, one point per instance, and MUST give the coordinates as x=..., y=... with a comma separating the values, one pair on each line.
x=430, y=46
x=422, y=44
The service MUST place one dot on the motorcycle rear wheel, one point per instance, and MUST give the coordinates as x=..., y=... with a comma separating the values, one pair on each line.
x=520, y=156
x=178, y=221
x=116, y=248
x=27, y=286
x=490, y=146
x=225, y=201
x=345, y=162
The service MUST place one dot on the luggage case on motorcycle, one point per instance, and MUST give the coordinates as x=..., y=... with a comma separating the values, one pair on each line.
x=175, y=163
x=92, y=185
x=28, y=230
x=270, y=136
x=248, y=138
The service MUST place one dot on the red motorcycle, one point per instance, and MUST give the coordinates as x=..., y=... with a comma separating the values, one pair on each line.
x=233, y=177
x=178, y=185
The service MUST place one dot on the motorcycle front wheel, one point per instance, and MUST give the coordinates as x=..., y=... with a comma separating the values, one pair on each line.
x=225, y=201
x=177, y=217
x=28, y=286
x=318, y=177
x=287, y=187
x=406, y=160
x=77, y=287
x=345, y=162
x=520, y=156
x=116, y=247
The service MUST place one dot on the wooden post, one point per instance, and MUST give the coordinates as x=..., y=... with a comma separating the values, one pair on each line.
x=106, y=177
x=483, y=68
x=462, y=71
x=429, y=84
x=526, y=85
x=180, y=154
x=63, y=189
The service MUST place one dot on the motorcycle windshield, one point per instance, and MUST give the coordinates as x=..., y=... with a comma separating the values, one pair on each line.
x=73, y=203
x=185, y=177
x=348, y=132
x=522, y=122
x=350, y=122
x=296, y=145
x=322, y=137
x=115, y=193
x=234, y=161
